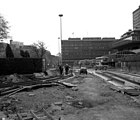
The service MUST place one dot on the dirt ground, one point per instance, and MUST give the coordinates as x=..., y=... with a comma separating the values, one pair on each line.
x=92, y=99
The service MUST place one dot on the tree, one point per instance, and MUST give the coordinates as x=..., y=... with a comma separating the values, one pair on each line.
x=40, y=49
x=9, y=52
x=24, y=54
x=27, y=55
x=3, y=28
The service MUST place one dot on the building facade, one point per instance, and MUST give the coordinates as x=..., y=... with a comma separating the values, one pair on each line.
x=131, y=39
x=75, y=49
x=128, y=41
x=136, y=19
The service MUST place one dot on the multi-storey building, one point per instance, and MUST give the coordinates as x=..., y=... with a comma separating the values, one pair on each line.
x=128, y=41
x=131, y=39
x=88, y=48
x=136, y=19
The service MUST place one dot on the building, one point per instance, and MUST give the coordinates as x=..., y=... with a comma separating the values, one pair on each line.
x=136, y=19
x=75, y=49
x=16, y=44
x=128, y=41
x=131, y=39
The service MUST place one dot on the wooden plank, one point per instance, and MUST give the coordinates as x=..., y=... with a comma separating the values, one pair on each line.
x=48, y=115
x=19, y=116
x=34, y=115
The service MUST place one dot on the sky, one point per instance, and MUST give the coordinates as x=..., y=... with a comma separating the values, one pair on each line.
x=38, y=20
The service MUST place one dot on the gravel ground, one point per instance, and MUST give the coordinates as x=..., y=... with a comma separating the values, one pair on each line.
x=92, y=99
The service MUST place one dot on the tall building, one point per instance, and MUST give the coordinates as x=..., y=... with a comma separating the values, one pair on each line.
x=136, y=19
x=75, y=49
x=128, y=41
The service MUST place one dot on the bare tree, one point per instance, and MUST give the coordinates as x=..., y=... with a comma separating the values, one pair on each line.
x=3, y=28
x=40, y=49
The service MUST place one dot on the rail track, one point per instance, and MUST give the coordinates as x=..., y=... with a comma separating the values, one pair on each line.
x=31, y=81
x=124, y=78
x=121, y=83
x=12, y=88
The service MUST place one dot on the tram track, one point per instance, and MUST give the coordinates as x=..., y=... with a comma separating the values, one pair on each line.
x=30, y=82
x=121, y=83
x=124, y=78
x=11, y=89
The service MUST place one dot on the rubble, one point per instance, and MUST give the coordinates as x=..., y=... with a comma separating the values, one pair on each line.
x=69, y=97
x=14, y=78
x=73, y=99
x=75, y=88
x=55, y=107
x=39, y=75
x=31, y=94
x=67, y=84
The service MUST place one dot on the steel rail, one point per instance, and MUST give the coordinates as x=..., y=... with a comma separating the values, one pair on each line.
x=48, y=82
x=124, y=78
x=132, y=89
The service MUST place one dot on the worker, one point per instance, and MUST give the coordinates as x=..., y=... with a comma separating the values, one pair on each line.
x=61, y=69
x=67, y=69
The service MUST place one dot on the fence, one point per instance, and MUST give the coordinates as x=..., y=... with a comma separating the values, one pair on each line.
x=20, y=65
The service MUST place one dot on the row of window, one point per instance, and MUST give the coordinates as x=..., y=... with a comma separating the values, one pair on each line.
x=77, y=55
x=84, y=48
x=85, y=45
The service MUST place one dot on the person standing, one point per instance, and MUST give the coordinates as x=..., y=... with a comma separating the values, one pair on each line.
x=61, y=69
x=66, y=69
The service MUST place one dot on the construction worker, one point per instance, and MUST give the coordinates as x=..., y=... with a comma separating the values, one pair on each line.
x=67, y=69
x=61, y=69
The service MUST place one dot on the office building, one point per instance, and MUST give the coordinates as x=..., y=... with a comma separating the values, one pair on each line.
x=75, y=49
x=136, y=19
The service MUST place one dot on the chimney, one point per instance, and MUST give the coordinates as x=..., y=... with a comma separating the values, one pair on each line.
x=11, y=42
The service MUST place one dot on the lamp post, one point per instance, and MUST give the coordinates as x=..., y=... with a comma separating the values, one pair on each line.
x=60, y=15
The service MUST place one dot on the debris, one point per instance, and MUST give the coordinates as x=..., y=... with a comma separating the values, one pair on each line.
x=39, y=75
x=31, y=94
x=14, y=78
x=75, y=88
x=69, y=97
x=48, y=115
x=58, y=103
x=67, y=84
x=55, y=107
x=132, y=92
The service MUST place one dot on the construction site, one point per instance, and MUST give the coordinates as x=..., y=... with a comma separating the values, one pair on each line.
x=95, y=96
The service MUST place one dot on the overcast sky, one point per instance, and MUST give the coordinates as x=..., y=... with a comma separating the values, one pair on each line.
x=33, y=20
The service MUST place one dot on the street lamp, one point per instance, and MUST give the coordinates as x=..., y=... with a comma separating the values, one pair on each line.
x=60, y=15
